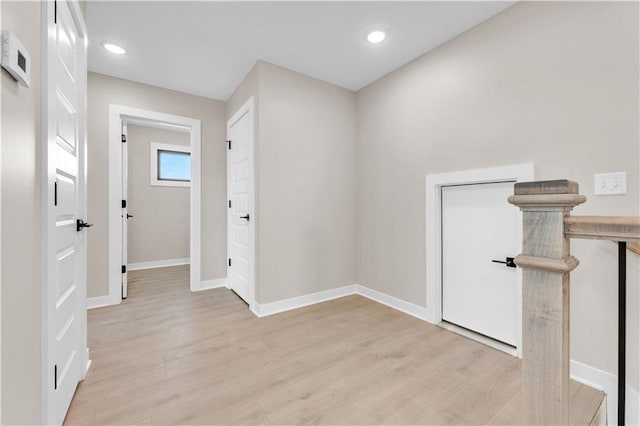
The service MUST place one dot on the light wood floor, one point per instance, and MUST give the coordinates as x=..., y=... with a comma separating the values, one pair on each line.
x=168, y=356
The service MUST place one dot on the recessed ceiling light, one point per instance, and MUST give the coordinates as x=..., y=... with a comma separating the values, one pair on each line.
x=114, y=48
x=376, y=36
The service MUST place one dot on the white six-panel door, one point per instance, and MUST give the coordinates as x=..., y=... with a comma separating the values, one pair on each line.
x=239, y=175
x=64, y=291
x=479, y=226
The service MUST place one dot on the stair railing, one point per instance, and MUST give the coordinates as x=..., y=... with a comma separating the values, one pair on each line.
x=546, y=261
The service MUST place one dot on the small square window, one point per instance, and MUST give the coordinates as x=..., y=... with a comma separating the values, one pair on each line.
x=174, y=165
x=170, y=165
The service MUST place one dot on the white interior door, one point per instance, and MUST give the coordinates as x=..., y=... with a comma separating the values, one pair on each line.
x=240, y=209
x=65, y=354
x=125, y=211
x=479, y=226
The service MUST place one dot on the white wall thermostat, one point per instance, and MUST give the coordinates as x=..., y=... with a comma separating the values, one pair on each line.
x=15, y=58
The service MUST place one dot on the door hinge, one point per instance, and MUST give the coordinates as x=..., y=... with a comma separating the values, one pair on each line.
x=55, y=193
x=124, y=138
x=229, y=262
x=229, y=143
x=55, y=377
x=124, y=269
x=55, y=12
x=229, y=203
x=124, y=204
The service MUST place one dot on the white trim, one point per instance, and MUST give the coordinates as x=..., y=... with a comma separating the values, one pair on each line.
x=211, y=284
x=633, y=406
x=118, y=113
x=99, y=302
x=604, y=381
x=89, y=362
x=246, y=109
x=0, y=246
x=472, y=335
x=158, y=125
x=408, y=308
x=517, y=173
x=302, y=301
x=157, y=264
x=154, y=147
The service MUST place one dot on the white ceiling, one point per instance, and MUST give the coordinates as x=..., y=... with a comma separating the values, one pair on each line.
x=206, y=48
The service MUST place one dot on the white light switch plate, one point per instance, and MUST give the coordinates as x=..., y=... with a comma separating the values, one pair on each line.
x=610, y=183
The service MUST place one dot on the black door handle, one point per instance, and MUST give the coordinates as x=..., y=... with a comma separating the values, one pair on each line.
x=509, y=262
x=245, y=217
x=129, y=215
x=82, y=224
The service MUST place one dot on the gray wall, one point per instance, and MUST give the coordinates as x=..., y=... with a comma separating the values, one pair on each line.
x=307, y=186
x=305, y=193
x=159, y=229
x=21, y=231
x=554, y=83
x=104, y=90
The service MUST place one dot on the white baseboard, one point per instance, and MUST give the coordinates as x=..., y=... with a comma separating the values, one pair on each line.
x=604, y=381
x=88, y=363
x=157, y=264
x=302, y=301
x=419, y=312
x=100, y=302
x=211, y=284
x=633, y=406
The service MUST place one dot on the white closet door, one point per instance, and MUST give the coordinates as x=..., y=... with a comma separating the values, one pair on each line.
x=479, y=226
x=240, y=217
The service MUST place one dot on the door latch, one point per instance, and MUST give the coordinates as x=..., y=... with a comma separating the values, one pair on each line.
x=509, y=262
x=245, y=217
x=82, y=224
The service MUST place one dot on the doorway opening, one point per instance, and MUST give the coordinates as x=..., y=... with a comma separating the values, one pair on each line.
x=168, y=165
x=463, y=283
x=156, y=174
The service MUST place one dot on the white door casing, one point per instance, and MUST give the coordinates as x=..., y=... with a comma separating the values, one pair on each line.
x=479, y=226
x=117, y=115
x=433, y=204
x=125, y=212
x=64, y=335
x=241, y=217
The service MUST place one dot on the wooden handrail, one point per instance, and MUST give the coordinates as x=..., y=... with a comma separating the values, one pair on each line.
x=634, y=247
x=615, y=228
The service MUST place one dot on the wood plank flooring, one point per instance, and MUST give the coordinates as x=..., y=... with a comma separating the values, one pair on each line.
x=169, y=356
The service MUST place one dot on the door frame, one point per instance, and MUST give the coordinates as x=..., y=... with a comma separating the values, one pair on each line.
x=118, y=114
x=246, y=109
x=47, y=195
x=434, y=183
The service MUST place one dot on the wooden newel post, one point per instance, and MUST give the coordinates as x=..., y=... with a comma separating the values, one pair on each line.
x=546, y=263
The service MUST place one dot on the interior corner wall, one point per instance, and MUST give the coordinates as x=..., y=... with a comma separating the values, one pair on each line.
x=104, y=90
x=554, y=83
x=307, y=191
x=21, y=230
x=305, y=182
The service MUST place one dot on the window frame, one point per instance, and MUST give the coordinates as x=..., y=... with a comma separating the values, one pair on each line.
x=155, y=149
